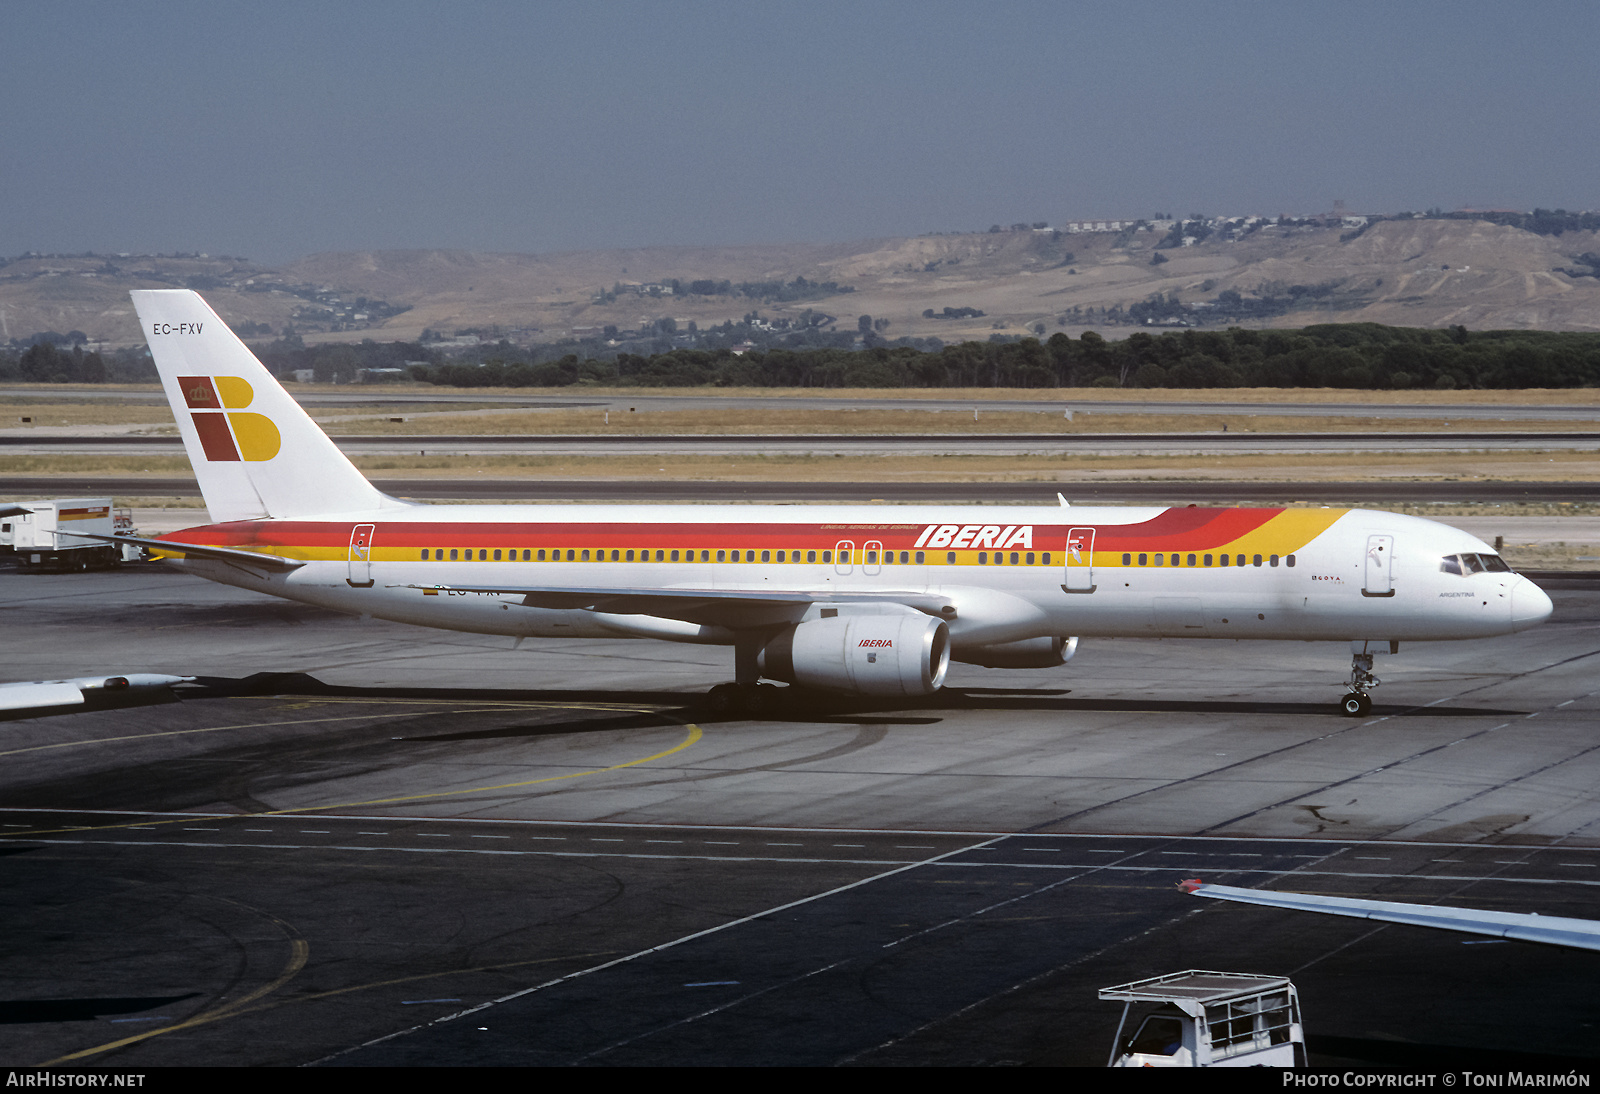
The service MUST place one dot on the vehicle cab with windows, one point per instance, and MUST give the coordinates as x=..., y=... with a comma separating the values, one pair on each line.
x=1209, y=1019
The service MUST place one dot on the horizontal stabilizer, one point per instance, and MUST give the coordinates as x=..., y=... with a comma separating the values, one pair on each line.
x=274, y=563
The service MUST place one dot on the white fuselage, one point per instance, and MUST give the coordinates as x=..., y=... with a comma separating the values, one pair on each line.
x=1322, y=589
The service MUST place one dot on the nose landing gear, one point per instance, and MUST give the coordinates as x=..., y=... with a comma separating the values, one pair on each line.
x=1357, y=703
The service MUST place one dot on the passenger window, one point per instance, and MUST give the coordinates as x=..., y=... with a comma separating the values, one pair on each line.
x=1208, y=560
x=1256, y=561
x=844, y=557
x=950, y=558
x=749, y=556
x=1174, y=558
x=920, y=556
x=571, y=553
x=811, y=556
x=614, y=556
x=766, y=556
x=983, y=558
x=1143, y=559
x=705, y=556
x=541, y=554
x=586, y=556
x=1290, y=560
x=1191, y=560
x=630, y=556
x=424, y=554
x=1224, y=560
x=1127, y=560
x=483, y=554
x=1013, y=557
x=827, y=556
x=1273, y=561
x=872, y=556
x=1046, y=559
x=497, y=554
x=905, y=556
x=1160, y=558
x=1030, y=558
x=722, y=556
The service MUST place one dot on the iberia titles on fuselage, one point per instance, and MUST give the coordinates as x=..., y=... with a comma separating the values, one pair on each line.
x=870, y=600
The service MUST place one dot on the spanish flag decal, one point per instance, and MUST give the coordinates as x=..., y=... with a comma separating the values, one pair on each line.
x=228, y=433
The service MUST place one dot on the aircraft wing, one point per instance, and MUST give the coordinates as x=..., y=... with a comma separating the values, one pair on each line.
x=1581, y=934
x=275, y=563
x=30, y=697
x=694, y=605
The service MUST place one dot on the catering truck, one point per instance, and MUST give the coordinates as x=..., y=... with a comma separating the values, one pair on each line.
x=41, y=533
x=1210, y=1019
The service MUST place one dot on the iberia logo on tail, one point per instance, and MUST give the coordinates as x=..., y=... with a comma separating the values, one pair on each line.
x=227, y=432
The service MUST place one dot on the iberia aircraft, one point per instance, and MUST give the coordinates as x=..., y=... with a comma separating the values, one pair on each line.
x=853, y=599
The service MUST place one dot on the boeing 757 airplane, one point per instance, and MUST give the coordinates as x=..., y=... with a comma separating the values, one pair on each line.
x=863, y=600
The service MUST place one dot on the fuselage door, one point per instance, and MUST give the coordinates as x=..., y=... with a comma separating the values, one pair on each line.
x=1080, y=561
x=361, y=556
x=1378, y=579
x=843, y=556
x=871, y=552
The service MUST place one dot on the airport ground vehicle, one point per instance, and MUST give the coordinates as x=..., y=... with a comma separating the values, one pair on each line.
x=66, y=533
x=872, y=601
x=1210, y=1019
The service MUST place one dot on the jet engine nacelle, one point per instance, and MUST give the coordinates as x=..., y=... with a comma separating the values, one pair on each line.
x=1030, y=653
x=898, y=654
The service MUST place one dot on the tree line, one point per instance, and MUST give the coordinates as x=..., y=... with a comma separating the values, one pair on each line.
x=1366, y=356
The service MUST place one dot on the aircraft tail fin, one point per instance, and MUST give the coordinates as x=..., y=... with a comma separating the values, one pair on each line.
x=255, y=452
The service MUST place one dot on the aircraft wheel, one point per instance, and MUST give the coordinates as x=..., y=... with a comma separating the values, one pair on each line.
x=764, y=700
x=725, y=701
x=1356, y=705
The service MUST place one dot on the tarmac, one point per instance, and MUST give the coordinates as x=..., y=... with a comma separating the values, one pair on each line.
x=351, y=843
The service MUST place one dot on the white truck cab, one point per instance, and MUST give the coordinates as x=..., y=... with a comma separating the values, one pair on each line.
x=1210, y=1019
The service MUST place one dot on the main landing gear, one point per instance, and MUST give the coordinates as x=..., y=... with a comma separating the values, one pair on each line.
x=1357, y=703
x=743, y=700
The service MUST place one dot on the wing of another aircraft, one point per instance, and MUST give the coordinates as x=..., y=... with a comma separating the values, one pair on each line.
x=1581, y=934
x=30, y=698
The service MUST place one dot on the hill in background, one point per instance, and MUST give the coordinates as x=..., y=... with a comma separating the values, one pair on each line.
x=1414, y=272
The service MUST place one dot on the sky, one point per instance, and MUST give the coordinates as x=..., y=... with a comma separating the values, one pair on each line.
x=273, y=130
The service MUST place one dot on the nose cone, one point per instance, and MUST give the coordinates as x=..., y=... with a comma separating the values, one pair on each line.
x=1530, y=605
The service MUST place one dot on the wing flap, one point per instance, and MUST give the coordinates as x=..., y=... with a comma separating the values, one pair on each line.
x=731, y=607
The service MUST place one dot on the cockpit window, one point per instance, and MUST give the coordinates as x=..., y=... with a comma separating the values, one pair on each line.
x=1465, y=564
